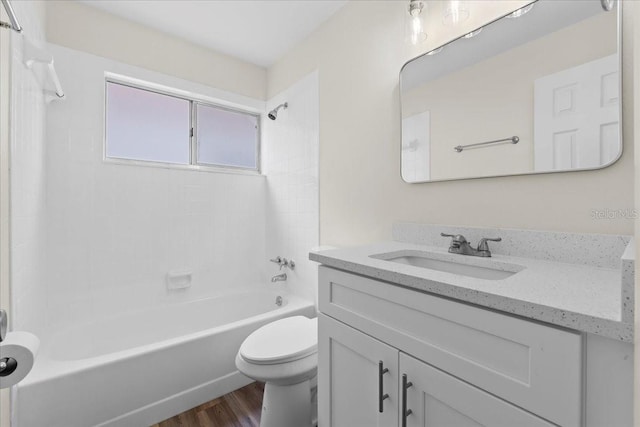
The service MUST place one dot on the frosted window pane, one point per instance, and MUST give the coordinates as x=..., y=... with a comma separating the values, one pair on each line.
x=226, y=138
x=144, y=125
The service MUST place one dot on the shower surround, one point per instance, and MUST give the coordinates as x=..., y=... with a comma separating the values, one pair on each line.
x=28, y=179
x=291, y=152
x=112, y=232
x=116, y=230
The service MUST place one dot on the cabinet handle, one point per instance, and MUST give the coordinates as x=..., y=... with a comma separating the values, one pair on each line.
x=405, y=412
x=381, y=394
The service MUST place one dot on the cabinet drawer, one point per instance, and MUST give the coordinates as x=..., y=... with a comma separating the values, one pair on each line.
x=536, y=367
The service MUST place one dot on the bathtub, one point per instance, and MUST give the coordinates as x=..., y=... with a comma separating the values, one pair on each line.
x=143, y=367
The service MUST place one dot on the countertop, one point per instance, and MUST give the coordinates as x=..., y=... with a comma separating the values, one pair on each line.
x=580, y=297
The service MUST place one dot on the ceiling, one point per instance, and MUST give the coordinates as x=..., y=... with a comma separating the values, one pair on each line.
x=256, y=31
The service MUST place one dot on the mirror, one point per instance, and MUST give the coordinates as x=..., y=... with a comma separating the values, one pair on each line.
x=536, y=91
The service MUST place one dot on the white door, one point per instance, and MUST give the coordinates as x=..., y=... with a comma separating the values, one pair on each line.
x=437, y=399
x=349, y=386
x=577, y=116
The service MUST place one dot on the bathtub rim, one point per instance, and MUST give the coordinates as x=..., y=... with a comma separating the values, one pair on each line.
x=49, y=349
x=47, y=369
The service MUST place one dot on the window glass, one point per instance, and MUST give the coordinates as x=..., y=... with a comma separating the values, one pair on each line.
x=145, y=125
x=226, y=138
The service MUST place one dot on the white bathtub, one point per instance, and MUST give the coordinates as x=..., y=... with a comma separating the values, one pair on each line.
x=138, y=369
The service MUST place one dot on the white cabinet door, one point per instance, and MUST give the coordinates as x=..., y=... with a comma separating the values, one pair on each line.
x=577, y=116
x=437, y=399
x=349, y=387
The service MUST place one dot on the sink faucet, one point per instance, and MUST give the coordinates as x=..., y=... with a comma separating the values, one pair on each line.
x=459, y=245
x=279, y=278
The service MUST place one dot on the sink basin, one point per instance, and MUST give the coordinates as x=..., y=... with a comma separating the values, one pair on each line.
x=491, y=271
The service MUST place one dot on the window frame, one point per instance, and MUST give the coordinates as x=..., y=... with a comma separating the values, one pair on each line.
x=194, y=100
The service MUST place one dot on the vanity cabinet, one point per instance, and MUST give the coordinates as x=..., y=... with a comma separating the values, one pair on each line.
x=356, y=392
x=467, y=365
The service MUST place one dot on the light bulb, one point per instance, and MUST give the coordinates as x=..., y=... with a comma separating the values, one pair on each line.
x=455, y=12
x=518, y=13
x=417, y=32
x=415, y=26
x=473, y=33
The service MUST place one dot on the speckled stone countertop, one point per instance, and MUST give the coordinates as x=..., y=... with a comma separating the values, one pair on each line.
x=578, y=296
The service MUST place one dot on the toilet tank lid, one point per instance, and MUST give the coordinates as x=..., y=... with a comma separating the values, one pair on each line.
x=284, y=340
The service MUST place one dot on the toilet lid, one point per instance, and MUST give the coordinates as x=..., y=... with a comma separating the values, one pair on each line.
x=284, y=340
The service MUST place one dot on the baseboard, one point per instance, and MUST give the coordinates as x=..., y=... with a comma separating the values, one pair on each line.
x=178, y=403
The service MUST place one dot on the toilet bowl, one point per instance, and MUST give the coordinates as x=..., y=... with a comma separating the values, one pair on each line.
x=284, y=355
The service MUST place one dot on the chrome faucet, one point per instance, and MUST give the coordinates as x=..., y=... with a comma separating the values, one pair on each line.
x=279, y=278
x=459, y=245
x=283, y=262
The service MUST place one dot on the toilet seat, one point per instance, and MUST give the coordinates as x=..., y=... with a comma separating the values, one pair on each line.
x=282, y=341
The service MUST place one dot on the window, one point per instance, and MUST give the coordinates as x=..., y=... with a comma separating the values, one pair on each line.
x=227, y=138
x=146, y=125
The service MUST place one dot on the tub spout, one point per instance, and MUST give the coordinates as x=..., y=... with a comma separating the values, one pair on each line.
x=279, y=278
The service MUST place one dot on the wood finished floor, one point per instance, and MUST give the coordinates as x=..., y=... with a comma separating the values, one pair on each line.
x=241, y=408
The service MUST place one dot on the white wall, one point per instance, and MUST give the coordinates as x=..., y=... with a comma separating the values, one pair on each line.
x=88, y=29
x=115, y=231
x=358, y=54
x=291, y=166
x=28, y=180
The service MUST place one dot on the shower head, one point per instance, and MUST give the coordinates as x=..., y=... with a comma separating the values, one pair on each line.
x=274, y=113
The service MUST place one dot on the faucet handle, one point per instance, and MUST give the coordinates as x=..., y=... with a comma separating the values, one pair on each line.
x=456, y=239
x=287, y=263
x=277, y=260
x=483, y=246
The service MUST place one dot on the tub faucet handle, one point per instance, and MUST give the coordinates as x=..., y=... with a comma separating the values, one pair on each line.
x=288, y=263
x=283, y=262
x=277, y=260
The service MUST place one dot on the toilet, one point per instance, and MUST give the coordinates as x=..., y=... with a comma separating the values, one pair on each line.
x=284, y=355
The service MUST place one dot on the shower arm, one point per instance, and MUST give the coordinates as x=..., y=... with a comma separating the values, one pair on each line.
x=13, y=20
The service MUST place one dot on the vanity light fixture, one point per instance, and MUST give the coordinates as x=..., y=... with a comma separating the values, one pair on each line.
x=415, y=22
x=455, y=12
x=522, y=11
x=473, y=33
